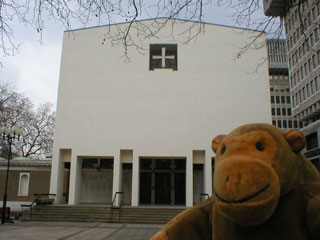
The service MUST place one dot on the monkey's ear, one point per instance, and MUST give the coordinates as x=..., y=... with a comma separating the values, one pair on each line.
x=216, y=142
x=296, y=140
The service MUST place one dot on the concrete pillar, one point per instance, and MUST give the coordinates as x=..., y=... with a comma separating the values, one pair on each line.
x=75, y=179
x=189, y=181
x=135, y=180
x=57, y=176
x=117, y=176
x=208, y=173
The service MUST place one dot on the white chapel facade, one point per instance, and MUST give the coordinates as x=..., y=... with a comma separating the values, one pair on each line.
x=145, y=127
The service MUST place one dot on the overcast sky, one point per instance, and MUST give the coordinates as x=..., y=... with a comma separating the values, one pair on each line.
x=34, y=70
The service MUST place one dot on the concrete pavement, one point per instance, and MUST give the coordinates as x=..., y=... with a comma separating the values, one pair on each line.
x=72, y=230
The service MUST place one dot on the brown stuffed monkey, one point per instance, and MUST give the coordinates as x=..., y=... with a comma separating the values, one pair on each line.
x=265, y=189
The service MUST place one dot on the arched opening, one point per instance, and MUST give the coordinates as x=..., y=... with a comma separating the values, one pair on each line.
x=24, y=184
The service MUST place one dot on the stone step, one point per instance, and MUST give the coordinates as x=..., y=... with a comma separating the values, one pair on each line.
x=106, y=219
x=151, y=217
x=133, y=215
x=98, y=220
x=84, y=219
x=104, y=212
x=48, y=207
x=101, y=214
x=127, y=211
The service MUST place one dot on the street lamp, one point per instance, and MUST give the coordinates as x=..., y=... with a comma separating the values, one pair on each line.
x=9, y=134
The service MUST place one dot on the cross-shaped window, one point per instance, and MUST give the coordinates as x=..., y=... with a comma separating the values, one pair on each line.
x=163, y=56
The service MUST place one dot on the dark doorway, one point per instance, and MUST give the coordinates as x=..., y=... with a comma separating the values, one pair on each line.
x=163, y=188
x=180, y=188
x=163, y=181
x=145, y=188
x=66, y=182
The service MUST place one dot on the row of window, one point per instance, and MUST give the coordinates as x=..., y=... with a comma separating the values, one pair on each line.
x=280, y=88
x=278, y=46
x=278, y=77
x=302, y=51
x=311, y=40
x=281, y=111
x=299, y=12
x=284, y=99
x=305, y=69
x=287, y=124
x=278, y=58
x=307, y=91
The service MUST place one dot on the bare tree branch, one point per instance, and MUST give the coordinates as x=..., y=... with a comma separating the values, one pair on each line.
x=132, y=35
x=37, y=124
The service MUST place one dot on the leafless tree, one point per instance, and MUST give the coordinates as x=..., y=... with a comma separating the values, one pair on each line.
x=35, y=13
x=37, y=124
x=37, y=140
x=87, y=12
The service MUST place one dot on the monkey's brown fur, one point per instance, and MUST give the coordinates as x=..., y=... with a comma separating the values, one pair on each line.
x=264, y=189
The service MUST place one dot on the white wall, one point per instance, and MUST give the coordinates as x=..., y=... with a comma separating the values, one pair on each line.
x=105, y=104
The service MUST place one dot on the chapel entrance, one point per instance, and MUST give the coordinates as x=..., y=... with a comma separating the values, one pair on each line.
x=162, y=181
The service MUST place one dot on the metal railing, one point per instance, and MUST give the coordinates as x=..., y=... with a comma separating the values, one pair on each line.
x=36, y=201
x=117, y=203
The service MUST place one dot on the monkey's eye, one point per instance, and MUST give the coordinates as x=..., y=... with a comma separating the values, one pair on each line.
x=259, y=147
x=223, y=150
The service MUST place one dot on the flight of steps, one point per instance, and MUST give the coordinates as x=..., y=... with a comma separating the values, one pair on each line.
x=82, y=213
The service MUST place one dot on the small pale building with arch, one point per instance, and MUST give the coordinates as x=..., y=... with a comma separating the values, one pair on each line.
x=26, y=178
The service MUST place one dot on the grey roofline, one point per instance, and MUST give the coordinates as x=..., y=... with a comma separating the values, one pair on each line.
x=148, y=19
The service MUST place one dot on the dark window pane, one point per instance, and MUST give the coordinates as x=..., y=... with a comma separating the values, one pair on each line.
x=67, y=165
x=285, y=124
x=145, y=164
x=312, y=141
x=126, y=165
x=198, y=167
x=284, y=113
x=272, y=99
x=106, y=163
x=288, y=99
x=163, y=163
x=89, y=163
x=180, y=164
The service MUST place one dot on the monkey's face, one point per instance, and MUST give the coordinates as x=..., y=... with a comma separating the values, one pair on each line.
x=255, y=165
x=247, y=185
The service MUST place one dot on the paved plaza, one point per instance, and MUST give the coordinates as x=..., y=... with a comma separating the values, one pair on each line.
x=73, y=230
